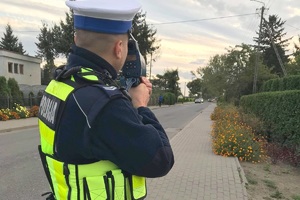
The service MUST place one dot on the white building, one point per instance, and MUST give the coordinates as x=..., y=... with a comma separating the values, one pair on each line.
x=24, y=69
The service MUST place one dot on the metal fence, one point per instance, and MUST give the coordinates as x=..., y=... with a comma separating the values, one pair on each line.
x=8, y=102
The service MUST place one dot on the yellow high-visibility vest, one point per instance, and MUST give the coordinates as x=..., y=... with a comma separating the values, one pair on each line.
x=102, y=180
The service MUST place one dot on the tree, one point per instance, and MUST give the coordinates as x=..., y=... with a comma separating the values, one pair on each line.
x=213, y=77
x=168, y=82
x=63, y=35
x=15, y=91
x=4, y=92
x=47, y=52
x=21, y=49
x=272, y=29
x=145, y=35
x=45, y=45
x=231, y=74
x=195, y=87
x=159, y=83
x=293, y=67
x=10, y=42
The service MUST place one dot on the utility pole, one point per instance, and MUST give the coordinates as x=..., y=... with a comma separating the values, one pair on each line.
x=257, y=49
x=276, y=50
x=184, y=89
x=150, y=65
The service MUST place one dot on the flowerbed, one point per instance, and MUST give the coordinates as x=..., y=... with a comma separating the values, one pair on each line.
x=232, y=137
x=18, y=112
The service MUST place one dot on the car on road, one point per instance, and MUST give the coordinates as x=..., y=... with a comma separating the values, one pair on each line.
x=199, y=100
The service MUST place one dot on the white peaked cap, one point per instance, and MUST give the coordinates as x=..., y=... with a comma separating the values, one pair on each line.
x=106, y=16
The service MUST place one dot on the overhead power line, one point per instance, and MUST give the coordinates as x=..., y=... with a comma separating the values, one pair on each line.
x=205, y=19
x=177, y=22
x=21, y=31
x=293, y=26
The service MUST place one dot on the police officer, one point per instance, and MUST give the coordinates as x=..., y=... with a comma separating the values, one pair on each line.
x=98, y=142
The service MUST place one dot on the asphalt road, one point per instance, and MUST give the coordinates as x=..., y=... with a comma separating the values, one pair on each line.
x=21, y=173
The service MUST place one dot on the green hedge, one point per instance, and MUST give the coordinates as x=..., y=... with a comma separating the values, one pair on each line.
x=281, y=84
x=280, y=112
x=169, y=98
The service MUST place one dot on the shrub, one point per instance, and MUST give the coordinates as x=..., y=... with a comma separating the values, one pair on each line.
x=285, y=154
x=34, y=110
x=14, y=115
x=280, y=113
x=21, y=111
x=222, y=111
x=280, y=84
x=3, y=116
x=7, y=113
x=169, y=98
x=231, y=137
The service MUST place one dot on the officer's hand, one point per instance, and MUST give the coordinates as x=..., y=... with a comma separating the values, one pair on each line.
x=147, y=83
x=140, y=94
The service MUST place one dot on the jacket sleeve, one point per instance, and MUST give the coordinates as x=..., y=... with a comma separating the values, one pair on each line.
x=131, y=138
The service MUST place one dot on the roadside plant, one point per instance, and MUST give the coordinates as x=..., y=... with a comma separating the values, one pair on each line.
x=10, y=114
x=232, y=137
x=21, y=111
x=34, y=110
x=3, y=116
x=14, y=115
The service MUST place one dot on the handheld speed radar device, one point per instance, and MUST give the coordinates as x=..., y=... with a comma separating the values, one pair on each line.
x=134, y=66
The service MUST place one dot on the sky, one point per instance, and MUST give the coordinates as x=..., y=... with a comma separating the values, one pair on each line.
x=190, y=31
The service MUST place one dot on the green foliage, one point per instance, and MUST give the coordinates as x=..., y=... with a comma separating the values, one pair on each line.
x=214, y=76
x=45, y=45
x=15, y=91
x=16, y=112
x=280, y=84
x=277, y=195
x=22, y=111
x=232, y=137
x=57, y=41
x=14, y=88
x=4, y=92
x=251, y=180
x=168, y=82
x=270, y=184
x=296, y=197
x=195, y=87
x=169, y=98
x=146, y=36
x=231, y=74
x=280, y=112
x=276, y=26
x=48, y=73
x=10, y=42
x=63, y=35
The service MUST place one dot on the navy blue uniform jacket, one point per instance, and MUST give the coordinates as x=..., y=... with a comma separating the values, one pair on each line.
x=131, y=138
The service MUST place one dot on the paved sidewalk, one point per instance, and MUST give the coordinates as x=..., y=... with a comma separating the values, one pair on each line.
x=197, y=174
x=15, y=124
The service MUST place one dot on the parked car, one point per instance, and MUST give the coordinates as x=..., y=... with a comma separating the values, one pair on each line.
x=199, y=100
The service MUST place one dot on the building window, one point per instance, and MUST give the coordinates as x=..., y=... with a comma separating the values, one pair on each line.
x=16, y=68
x=10, y=67
x=21, y=68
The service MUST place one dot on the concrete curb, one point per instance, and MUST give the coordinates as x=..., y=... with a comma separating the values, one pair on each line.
x=243, y=178
x=18, y=128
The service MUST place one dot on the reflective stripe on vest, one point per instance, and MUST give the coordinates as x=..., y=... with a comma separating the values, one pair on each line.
x=55, y=94
x=102, y=180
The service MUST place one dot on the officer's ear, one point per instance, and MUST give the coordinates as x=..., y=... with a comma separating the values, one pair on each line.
x=119, y=49
x=75, y=38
